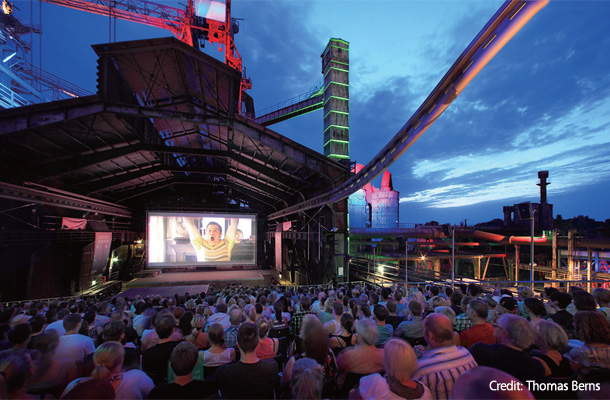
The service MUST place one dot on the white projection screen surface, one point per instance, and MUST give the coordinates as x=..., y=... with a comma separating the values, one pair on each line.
x=200, y=239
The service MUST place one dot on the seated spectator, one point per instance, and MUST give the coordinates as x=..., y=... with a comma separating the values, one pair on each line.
x=413, y=328
x=49, y=370
x=15, y=369
x=72, y=345
x=114, y=331
x=462, y=322
x=150, y=337
x=267, y=347
x=456, y=301
x=476, y=384
x=307, y=379
x=58, y=324
x=92, y=389
x=524, y=292
x=314, y=345
x=250, y=377
x=448, y=312
x=19, y=337
x=347, y=338
x=561, y=300
x=218, y=354
x=198, y=337
x=593, y=329
x=400, y=302
x=156, y=358
x=551, y=339
x=481, y=331
x=583, y=301
x=183, y=359
x=231, y=332
x=514, y=335
x=220, y=316
x=534, y=308
x=440, y=366
x=364, y=358
x=392, y=318
x=546, y=296
x=108, y=359
x=602, y=297
x=400, y=362
x=298, y=316
x=37, y=324
x=384, y=330
x=333, y=326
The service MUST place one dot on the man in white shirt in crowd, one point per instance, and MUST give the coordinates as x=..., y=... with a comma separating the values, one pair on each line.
x=72, y=345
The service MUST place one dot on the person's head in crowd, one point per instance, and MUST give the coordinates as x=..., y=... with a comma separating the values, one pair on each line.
x=199, y=310
x=561, y=299
x=364, y=311
x=473, y=290
x=380, y=313
x=477, y=310
x=108, y=358
x=216, y=334
x=20, y=335
x=91, y=389
x=178, y=313
x=464, y=302
x=415, y=308
x=392, y=307
x=221, y=308
x=509, y=305
x=385, y=294
x=374, y=299
x=525, y=292
x=367, y=332
x=447, y=312
x=456, y=298
x=550, y=336
x=337, y=309
x=514, y=331
x=38, y=323
x=398, y=295
x=72, y=323
x=463, y=288
x=347, y=322
x=476, y=383
x=307, y=379
x=198, y=322
x=448, y=292
x=535, y=306
x=15, y=369
x=583, y=301
x=591, y=327
x=399, y=361
x=315, y=338
x=235, y=317
x=62, y=313
x=164, y=323
x=548, y=291
x=114, y=331
x=305, y=303
x=438, y=331
x=601, y=296
x=278, y=309
x=247, y=337
x=438, y=301
x=264, y=326
x=184, y=358
x=185, y=323
x=434, y=290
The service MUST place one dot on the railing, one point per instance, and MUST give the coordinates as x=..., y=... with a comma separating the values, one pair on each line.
x=294, y=100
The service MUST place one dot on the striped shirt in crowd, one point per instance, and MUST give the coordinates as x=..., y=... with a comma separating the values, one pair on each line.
x=439, y=368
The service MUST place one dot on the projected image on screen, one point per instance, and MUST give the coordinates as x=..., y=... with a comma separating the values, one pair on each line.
x=178, y=239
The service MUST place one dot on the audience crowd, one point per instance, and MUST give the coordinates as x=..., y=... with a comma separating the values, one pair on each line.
x=344, y=341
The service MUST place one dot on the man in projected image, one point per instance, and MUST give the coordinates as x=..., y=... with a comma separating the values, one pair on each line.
x=212, y=247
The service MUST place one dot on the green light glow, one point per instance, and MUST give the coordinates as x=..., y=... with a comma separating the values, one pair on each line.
x=339, y=156
x=336, y=112
x=336, y=98
x=336, y=140
x=342, y=48
x=336, y=69
x=338, y=40
x=336, y=126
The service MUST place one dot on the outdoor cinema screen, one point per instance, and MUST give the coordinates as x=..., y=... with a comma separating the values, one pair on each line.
x=181, y=239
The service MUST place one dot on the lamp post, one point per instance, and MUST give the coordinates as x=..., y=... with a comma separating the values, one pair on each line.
x=406, y=264
x=452, y=259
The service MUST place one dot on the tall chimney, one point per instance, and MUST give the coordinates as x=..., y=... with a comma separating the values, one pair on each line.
x=542, y=175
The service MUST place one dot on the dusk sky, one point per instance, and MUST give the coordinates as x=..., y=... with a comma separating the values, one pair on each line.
x=543, y=103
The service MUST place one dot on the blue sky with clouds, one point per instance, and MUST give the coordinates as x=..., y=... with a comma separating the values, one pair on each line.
x=543, y=103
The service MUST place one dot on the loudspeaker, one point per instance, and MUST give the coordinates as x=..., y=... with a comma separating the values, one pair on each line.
x=524, y=210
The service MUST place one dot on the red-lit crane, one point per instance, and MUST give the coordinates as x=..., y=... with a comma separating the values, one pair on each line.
x=184, y=24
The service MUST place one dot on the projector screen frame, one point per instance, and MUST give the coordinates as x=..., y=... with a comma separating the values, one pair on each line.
x=179, y=252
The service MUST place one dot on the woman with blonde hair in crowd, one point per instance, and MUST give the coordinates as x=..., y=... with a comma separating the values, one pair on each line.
x=400, y=362
x=551, y=339
x=250, y=313
x=198, y=337
x=108, y=359
x=307, y=379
